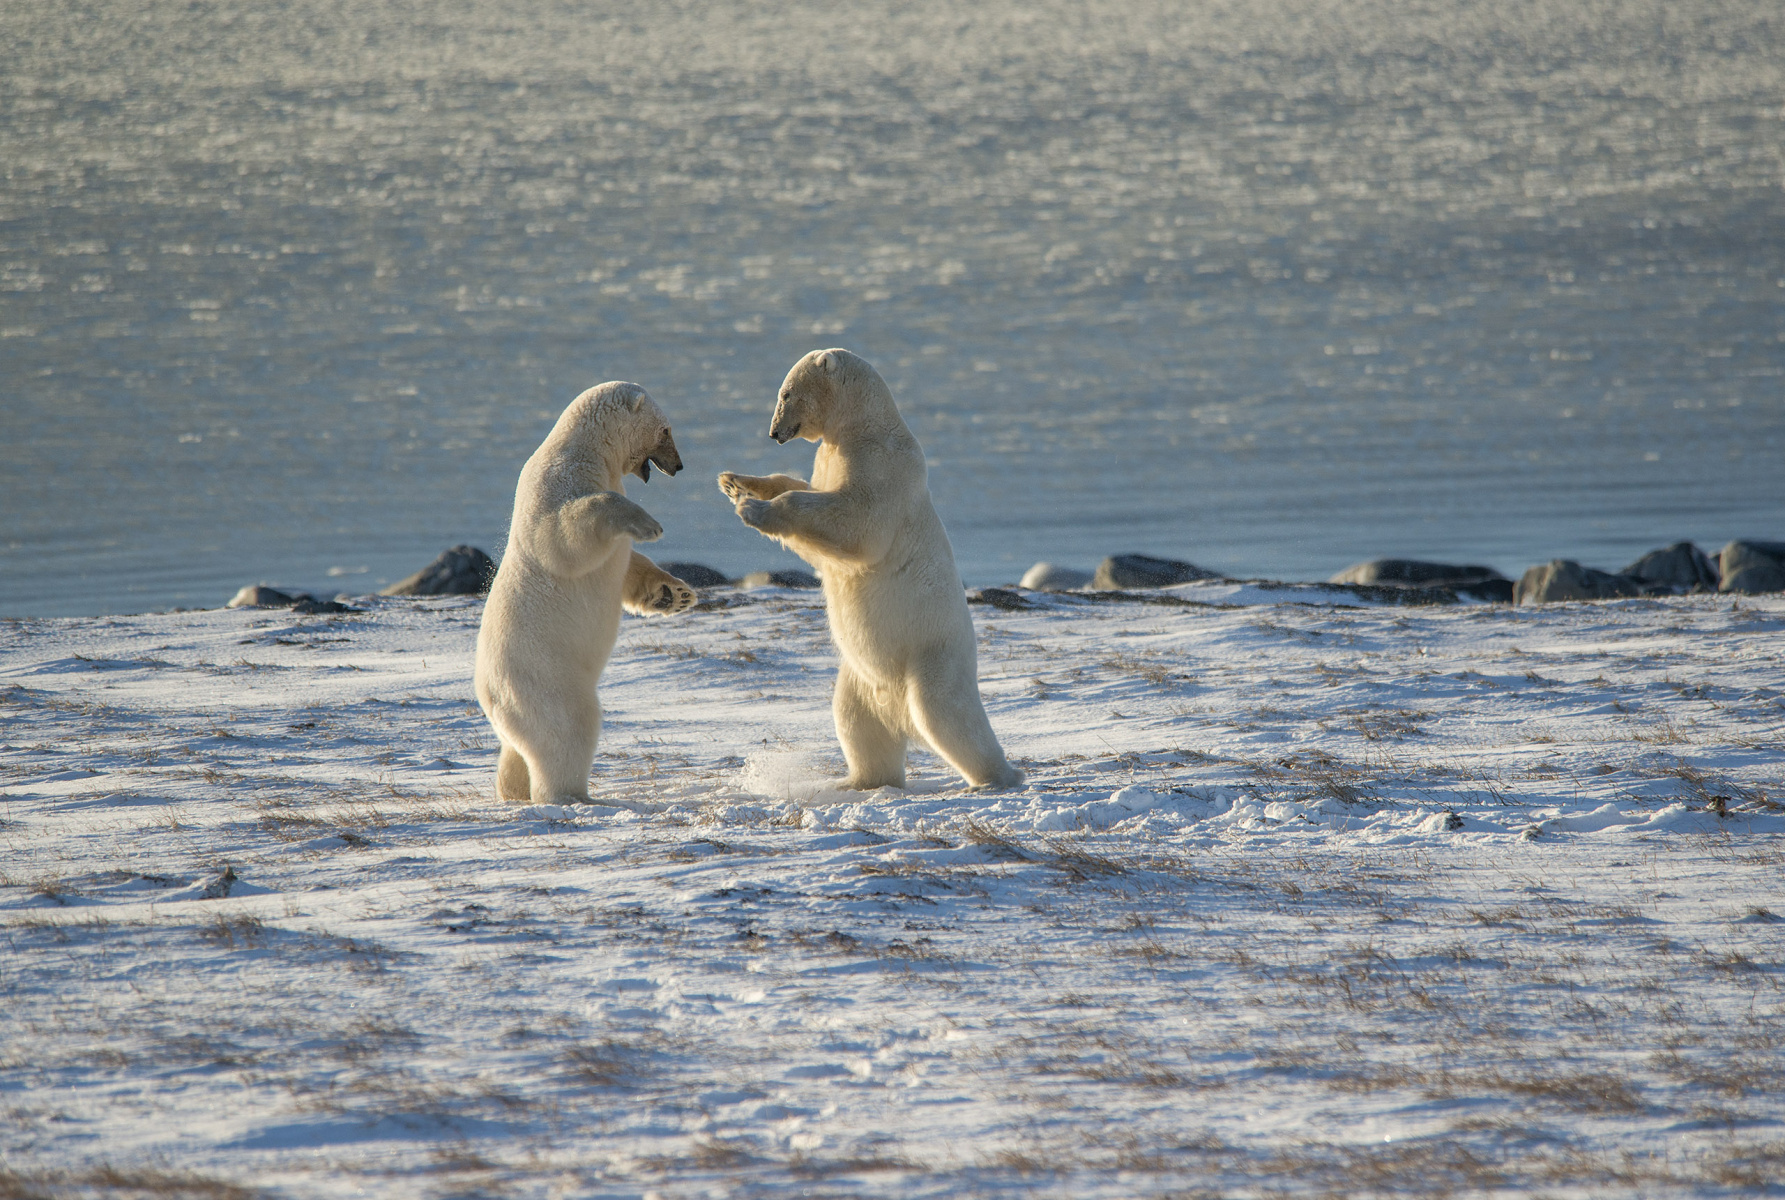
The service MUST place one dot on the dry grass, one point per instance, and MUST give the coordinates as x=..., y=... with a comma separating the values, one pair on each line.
x=1388, y=725
x=1714, y=792
x=682, y=652
x=120, y=1183
x=998, y=846
x=804, y=1167
x=607, y=1063
x=1579, y=1091
x=1157, y=673
x=233, y=929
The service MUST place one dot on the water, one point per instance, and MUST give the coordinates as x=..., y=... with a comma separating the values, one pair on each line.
x=289, y=295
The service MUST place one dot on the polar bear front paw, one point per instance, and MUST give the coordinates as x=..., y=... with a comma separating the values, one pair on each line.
x=670, y=597
x=733, y=485
x=641, y=526
x=757, y=514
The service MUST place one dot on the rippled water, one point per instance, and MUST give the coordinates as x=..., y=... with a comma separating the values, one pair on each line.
x=289, y=295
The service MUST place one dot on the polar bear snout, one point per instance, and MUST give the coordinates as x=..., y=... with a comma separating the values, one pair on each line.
x=664, y=454
x=785, y=426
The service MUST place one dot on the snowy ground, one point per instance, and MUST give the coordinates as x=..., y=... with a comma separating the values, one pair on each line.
x=1301, y=899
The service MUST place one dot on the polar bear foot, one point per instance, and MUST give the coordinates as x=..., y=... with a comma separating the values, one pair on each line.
x=866, y=784
x=1013, y=778
x=670, y=598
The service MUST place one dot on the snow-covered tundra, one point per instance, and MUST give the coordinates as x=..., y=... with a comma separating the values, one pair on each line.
x=1301, y=898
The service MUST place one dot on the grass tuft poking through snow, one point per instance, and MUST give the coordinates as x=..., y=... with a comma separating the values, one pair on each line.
x=1299, y=900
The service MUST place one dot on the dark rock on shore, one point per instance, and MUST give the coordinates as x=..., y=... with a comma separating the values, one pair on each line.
x=1753, y=567
x=314, y=604
x=1120, y=572
x=788, y=577
x=460, y=571
x=696, y=575
x=261, y=596
x=1681, y=567
x=1000, y=598
x=1495, y=591
x=1482, y=583
x=1412, y=571
x=1565, y=579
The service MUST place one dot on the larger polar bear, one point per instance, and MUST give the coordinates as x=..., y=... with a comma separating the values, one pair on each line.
x=554, y=608
x=898, y=615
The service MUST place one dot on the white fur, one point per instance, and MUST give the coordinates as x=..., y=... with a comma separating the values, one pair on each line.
x=898, y=614
x=554, y=608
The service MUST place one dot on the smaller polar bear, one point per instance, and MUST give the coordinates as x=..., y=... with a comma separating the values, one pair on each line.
x=554, y=608
x=898, y=614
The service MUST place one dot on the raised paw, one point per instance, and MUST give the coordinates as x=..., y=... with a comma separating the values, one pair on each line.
x=641, y=526
x=734, y=486
x=670, y=597
x=755, y=513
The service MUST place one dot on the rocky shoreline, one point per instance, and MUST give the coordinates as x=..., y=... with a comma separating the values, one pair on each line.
x=1743, y=567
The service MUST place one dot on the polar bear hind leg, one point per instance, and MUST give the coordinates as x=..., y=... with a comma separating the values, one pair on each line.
x=555, y=741
x=948, y=715
x=511, y=775
x=874, y=750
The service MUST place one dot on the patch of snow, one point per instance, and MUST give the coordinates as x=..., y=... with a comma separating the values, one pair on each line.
x=1299, y=883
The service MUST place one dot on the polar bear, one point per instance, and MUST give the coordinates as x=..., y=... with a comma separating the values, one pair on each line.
x=907, y=666
x=554, y=608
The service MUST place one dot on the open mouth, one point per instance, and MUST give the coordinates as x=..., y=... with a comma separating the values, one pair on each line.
x=669, y=466
x=667, y=458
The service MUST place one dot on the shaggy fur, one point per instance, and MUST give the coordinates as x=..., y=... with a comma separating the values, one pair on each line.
x=898, y=614
x=554, y=608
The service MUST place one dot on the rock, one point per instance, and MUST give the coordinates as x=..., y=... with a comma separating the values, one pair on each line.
x=1483, y=583
x=262, y=596
x=259, y=595
x=460, y=571
x=999, y=598
x=1123, y=571
x=1410, y=571
x=1046, y=577
x=788, y=577
x=310, y=604
x=1679, y=568
x=1565, y=579
x=1753, y=567
x=696, y=575
x=1497, y=591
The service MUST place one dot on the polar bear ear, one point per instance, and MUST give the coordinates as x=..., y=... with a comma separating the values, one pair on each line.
x=827, y=362
x=635, y=401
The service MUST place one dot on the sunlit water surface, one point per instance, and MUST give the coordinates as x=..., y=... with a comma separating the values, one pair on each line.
x=289, y=294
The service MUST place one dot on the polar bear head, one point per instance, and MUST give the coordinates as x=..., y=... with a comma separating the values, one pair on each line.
x=621, y=425
x=826, y=392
